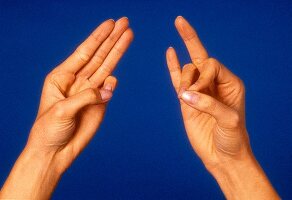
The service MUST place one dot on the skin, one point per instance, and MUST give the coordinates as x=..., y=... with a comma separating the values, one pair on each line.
x=212, y=106
x=72, y=107
x=73, y=104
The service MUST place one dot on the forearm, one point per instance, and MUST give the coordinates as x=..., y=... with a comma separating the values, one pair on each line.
x=244, y=180
x=34, y=176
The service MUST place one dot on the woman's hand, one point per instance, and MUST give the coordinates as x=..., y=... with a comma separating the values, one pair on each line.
x=212, y=105
x=212, y=102
x=72, y=107
x=75, y=93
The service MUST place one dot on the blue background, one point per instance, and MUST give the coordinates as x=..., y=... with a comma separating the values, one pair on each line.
x=141, y=150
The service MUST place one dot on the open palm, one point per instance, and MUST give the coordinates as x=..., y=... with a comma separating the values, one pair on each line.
x=75, y=93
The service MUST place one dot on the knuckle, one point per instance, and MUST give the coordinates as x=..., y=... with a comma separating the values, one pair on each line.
x=240, y=85
x=197, y=60
x=48, y=78
x=105, y=69
x=96, y=37
x=234, y=119
x=240, y=82
x=97, y=59
x=82, y=55
x=59, y=110
x=209, y=105
x=83, y=75
x=117, y=51
x=52, y=77
x=189, y=37
x=101, y=53
x=214, y=63
x=214, y=66
x=112, y=38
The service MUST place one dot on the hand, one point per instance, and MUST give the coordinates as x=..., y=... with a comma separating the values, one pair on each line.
x=72, y=107
x=212, y=105
x=212, y=102
x=75, y=93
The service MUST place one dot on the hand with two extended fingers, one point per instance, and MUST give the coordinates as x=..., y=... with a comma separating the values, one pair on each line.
x=212, y=102
x=213, y=110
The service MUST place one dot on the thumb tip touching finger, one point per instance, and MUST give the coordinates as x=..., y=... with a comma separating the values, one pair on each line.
x=189, y=97
x=105, y=94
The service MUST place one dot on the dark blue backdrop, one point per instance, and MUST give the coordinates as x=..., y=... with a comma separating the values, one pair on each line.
x=141, y=150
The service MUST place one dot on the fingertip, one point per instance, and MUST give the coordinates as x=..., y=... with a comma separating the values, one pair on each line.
x=169, y=49
x=170, y=52
x=110, y=22
x=180, y=92
x=190, y=97
x=110, y=83
x=130, y=33
x=189, y=66
x=178, y=20
x=123, y=20
x=105, y=94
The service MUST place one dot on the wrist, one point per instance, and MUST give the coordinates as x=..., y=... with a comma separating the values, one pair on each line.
x=34, y=176
x=45, y=160
x=243, y=179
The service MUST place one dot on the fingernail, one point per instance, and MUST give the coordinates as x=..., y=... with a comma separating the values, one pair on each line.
x=190, y=97
x=179, y=17
x=170, y=47
x=198, y=61
x=108, y=87
x=180, y=92
x=124, y=18
x=105, y=94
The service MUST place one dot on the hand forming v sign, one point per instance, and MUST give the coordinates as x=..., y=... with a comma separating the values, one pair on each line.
x=212, y=101
x=212, y=105
x=72, y=107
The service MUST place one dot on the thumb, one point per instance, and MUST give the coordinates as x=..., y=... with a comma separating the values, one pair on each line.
x=225, y=116
x=71, y=105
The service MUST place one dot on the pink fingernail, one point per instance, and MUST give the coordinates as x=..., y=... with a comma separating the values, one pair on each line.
x=180, y=17
x=108, y=87
x=190, y=97
x=105, y=94
x=180, y=92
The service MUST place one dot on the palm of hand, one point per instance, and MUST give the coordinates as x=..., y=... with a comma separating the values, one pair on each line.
x=209, y=139
x=59, y=86
x=212, y=101
x=75, y=93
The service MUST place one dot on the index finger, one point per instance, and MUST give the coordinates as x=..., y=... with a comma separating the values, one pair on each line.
x=86, y=50
x=195, y=48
